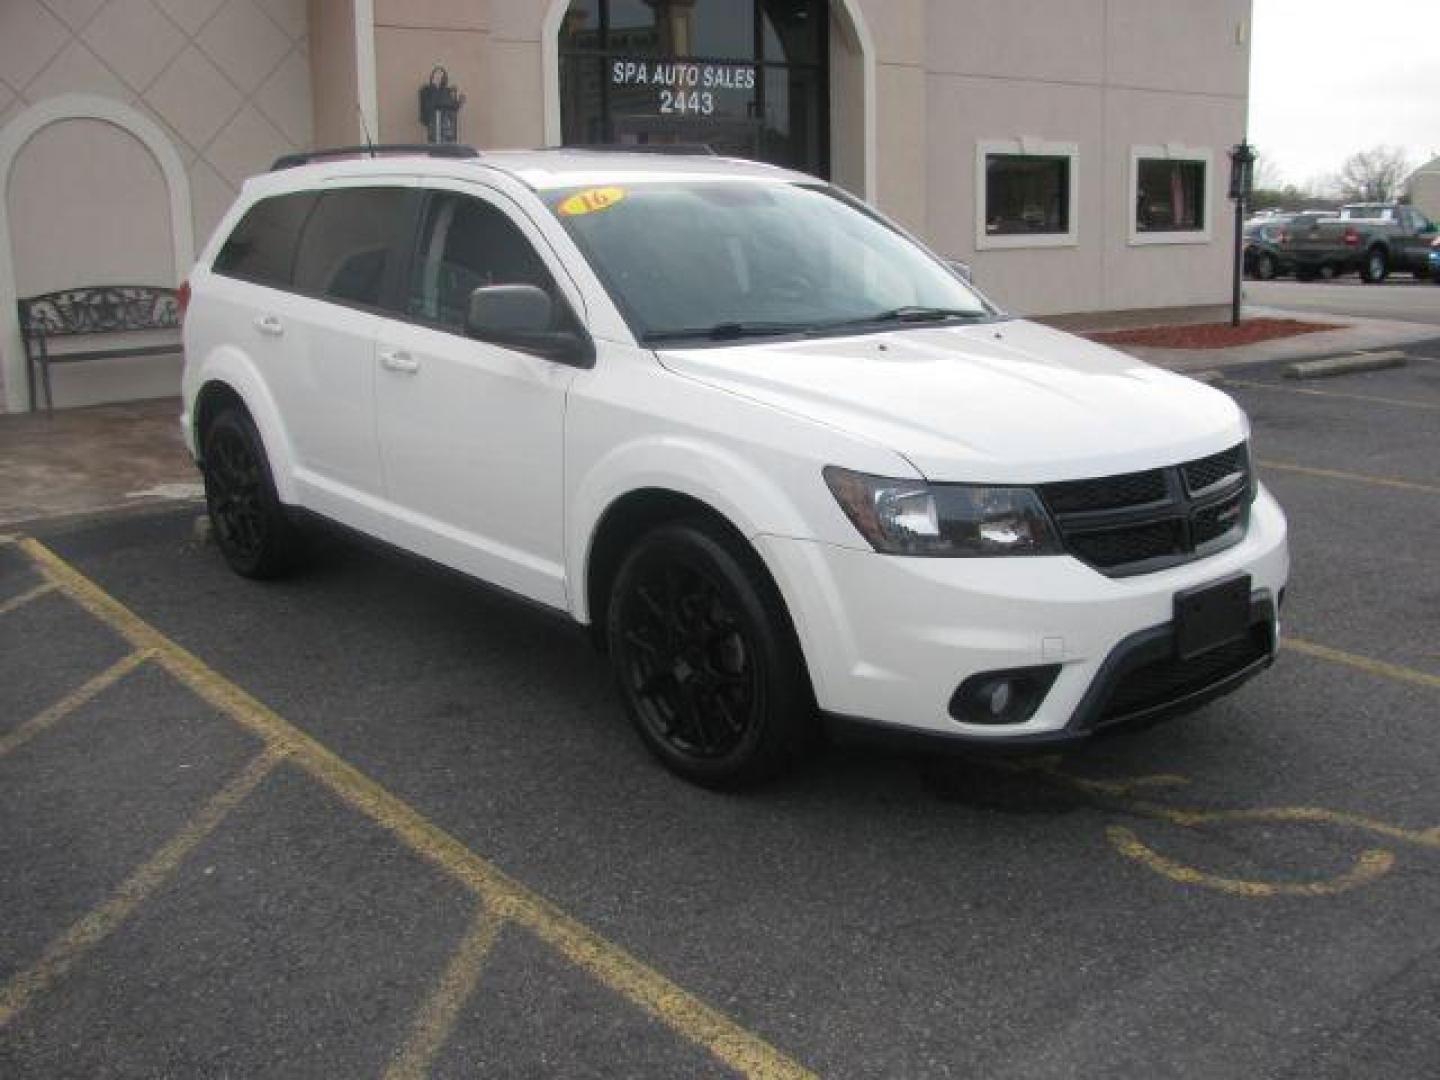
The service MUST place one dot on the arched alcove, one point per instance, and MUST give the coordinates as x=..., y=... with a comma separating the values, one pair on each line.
x=97, y=176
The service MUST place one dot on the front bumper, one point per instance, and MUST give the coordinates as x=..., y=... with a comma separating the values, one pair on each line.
x=888, y=639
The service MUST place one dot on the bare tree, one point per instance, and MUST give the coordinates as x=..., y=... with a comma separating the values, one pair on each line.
x=1373, y=175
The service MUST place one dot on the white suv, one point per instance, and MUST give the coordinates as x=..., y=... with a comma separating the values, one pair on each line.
x=782, y=459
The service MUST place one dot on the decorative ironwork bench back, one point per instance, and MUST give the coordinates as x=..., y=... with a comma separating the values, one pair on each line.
x=99, y=310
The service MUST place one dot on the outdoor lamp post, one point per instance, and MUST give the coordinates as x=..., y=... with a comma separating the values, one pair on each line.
x=1242, y=173
x=440, y=107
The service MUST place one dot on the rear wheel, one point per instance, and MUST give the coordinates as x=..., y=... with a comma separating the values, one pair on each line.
x=1375, y=267
x=249, y=525
x=706, y=658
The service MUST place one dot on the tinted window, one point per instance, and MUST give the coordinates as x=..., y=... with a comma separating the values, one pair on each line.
x=466, y=244
x=262, y=247
x=1025, y=193
x=1170, y=196
x=347, y=244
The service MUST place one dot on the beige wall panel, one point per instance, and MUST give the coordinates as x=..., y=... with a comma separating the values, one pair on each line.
x=88, y=205
x=1018, y=39
x=332, y=72
x=897, y=28
x=517, y=107
x=1425, y=192
x=436, y=14
x=1163, y=275
x=1180, y=45
x=517, y=20
x=403, y=61
x=964, y=111
x=900, y=106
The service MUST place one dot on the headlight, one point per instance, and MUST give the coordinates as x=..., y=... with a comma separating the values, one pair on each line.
x=912, y=517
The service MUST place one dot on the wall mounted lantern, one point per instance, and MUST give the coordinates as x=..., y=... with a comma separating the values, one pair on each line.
x=440, y=107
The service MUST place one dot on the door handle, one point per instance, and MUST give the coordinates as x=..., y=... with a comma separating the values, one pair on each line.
x=269, y=324
x=399, y=360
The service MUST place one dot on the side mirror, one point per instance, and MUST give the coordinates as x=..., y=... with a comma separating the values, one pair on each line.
x=523, y=317
x=960, y=270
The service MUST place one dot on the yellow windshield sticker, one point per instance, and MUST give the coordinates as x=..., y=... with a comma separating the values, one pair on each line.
x=591, y=201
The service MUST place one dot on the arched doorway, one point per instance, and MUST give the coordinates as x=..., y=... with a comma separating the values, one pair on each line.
x=751, y=78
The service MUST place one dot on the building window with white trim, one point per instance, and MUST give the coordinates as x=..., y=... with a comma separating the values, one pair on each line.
x=1025, y=194
x=1170, y=189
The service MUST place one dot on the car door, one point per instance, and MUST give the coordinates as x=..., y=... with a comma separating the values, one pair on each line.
x=471, y=433
x=346, y=260
x=1414, y=243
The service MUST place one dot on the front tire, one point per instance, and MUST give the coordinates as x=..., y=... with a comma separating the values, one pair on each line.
x=1265, y=267
x=250, y=526
x=706, y=658
x=1375, y=268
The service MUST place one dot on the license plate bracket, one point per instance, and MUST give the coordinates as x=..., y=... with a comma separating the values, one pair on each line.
x=1211, y=615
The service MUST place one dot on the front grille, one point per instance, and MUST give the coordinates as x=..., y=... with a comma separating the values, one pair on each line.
x=1107, y=493
x=1165, y=681
x=1217, y=468
x=1134, y=523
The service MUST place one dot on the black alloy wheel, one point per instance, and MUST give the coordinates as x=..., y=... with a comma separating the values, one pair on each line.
x=705, y=657
x=249, y=524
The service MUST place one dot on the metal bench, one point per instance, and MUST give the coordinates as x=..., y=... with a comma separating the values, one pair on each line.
x=93, y=310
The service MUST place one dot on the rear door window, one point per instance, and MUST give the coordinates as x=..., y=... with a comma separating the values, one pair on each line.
x=262, y=247
x=349, y=244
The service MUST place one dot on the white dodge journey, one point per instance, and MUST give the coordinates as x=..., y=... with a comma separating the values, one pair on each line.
x=784, y=461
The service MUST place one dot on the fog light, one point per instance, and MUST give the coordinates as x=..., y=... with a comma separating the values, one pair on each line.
x=1002, y=697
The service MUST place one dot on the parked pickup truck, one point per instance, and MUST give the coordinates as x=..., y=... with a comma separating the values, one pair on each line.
x=1373, y=238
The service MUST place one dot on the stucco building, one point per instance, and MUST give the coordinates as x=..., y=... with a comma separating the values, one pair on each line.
x=1074, y=153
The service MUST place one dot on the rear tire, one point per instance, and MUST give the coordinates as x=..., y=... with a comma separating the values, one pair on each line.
x=248, y=522
x=706, y=659
x=1376, y=266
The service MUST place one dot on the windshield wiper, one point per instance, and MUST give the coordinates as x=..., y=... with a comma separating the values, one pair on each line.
x=911, y=313
x=726, y=331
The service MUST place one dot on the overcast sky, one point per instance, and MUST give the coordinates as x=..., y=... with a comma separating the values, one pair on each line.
x=1330, y=77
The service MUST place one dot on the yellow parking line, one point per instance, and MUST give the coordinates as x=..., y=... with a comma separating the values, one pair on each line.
x=73, y=700
x=1362, y=663
x=604, y=960
x=437, y=1016
x=1356, y=478
x=1430, y=405
x=94, y=927
x=24, y=598
x=1372, y=864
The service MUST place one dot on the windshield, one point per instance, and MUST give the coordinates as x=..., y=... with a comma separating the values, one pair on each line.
x=722, y=260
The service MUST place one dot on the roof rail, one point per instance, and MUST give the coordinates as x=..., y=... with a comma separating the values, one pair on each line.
x=677, y=149
x=439, y=150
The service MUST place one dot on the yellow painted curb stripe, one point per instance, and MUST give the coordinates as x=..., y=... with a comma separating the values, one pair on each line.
x=437, y=1016
x=1372, y=864
x=73, y=700
x=607, y=962
x=93, y=928
x=24, y=598
x=1362, y=663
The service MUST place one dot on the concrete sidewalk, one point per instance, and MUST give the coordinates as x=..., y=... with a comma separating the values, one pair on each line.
x=108, y=457
x=103, y=457
x=1357, y=335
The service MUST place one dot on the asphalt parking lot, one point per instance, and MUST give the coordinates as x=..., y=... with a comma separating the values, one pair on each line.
x=374, y=820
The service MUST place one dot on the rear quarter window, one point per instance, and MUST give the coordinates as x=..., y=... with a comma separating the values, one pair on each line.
x=262, y=246
x=348, y=243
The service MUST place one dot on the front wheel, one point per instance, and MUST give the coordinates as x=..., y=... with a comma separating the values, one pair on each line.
x=1265, y=267
x=250, y=526
x=706, y=658
x=1375, y=267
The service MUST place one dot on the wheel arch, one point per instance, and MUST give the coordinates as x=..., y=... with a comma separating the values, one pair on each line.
x=229, y=380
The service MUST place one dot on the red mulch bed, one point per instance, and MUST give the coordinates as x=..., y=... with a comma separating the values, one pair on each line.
x=1212, y=335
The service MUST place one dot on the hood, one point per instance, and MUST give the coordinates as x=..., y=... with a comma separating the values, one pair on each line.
x=1008, y=401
